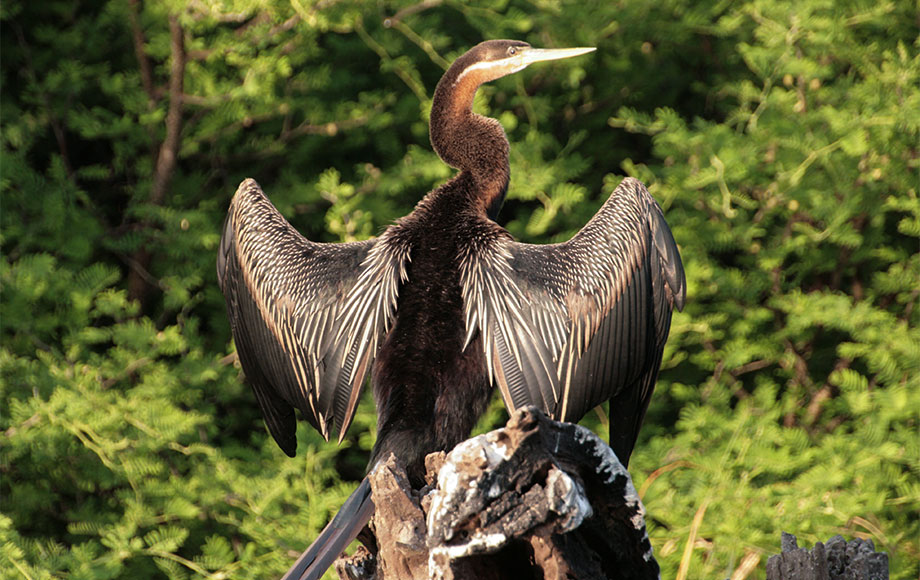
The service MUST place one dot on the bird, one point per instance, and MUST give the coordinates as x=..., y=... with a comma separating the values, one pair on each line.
x=444, y=306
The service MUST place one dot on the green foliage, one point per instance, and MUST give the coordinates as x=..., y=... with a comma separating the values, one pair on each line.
x=794, y=208
x=780, y=138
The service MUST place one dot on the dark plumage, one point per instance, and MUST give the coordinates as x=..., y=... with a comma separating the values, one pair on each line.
x=444, y=305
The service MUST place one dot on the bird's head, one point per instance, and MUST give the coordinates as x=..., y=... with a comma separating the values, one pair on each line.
x=483, y=144
x=494, y=59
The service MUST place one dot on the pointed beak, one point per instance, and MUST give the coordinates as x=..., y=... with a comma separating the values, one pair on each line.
x=532, y=55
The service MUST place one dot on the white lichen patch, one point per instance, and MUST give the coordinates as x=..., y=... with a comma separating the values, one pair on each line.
x=458, y=481
x=568, y=499
x=612, y=466
x=439, y=558
x=464, y=475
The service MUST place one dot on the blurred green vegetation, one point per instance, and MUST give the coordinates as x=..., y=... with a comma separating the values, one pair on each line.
x=781, y=138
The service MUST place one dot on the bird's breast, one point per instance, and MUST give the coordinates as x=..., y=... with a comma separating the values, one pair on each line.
x=425, y=382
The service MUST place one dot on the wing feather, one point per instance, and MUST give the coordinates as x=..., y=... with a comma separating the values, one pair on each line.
x=581, y=322
x=306, y=317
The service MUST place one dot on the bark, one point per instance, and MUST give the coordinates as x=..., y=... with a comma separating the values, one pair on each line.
x=536, y=499
x=836, y=560
x=139, y=277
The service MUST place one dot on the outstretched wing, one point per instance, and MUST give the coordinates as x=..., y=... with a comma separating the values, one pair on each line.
x=306, y=317
x=568, y=326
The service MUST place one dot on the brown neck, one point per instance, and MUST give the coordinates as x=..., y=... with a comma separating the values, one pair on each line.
x=467, y=141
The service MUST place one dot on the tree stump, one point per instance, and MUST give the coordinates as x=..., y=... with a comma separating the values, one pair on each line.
x=535, y=499
x=836, y=560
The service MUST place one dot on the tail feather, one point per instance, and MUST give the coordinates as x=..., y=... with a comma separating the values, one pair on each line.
x=335, y=537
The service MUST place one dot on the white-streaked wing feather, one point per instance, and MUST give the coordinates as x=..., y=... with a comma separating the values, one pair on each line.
x=307, y=317
x=569, y=326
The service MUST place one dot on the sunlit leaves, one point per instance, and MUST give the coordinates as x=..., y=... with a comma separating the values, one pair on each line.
x=780, y=139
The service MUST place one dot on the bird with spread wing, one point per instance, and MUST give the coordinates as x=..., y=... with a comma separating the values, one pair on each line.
x=444, y=306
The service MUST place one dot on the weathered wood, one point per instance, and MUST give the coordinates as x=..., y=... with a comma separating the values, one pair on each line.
x=836, y=560
x=536, y=499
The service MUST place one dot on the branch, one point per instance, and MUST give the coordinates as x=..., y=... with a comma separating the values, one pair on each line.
x=410, y=10
x=169, y=149
x=835, y=560
x=56, y=126
x=418, y=40
x=536, y=499
x=412, y=83
x=329, y=129
x=138, y=36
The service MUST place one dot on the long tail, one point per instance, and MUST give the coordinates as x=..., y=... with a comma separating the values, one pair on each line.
x=335, y=537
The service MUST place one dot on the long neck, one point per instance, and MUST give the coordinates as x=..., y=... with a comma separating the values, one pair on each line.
x=467, y=141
